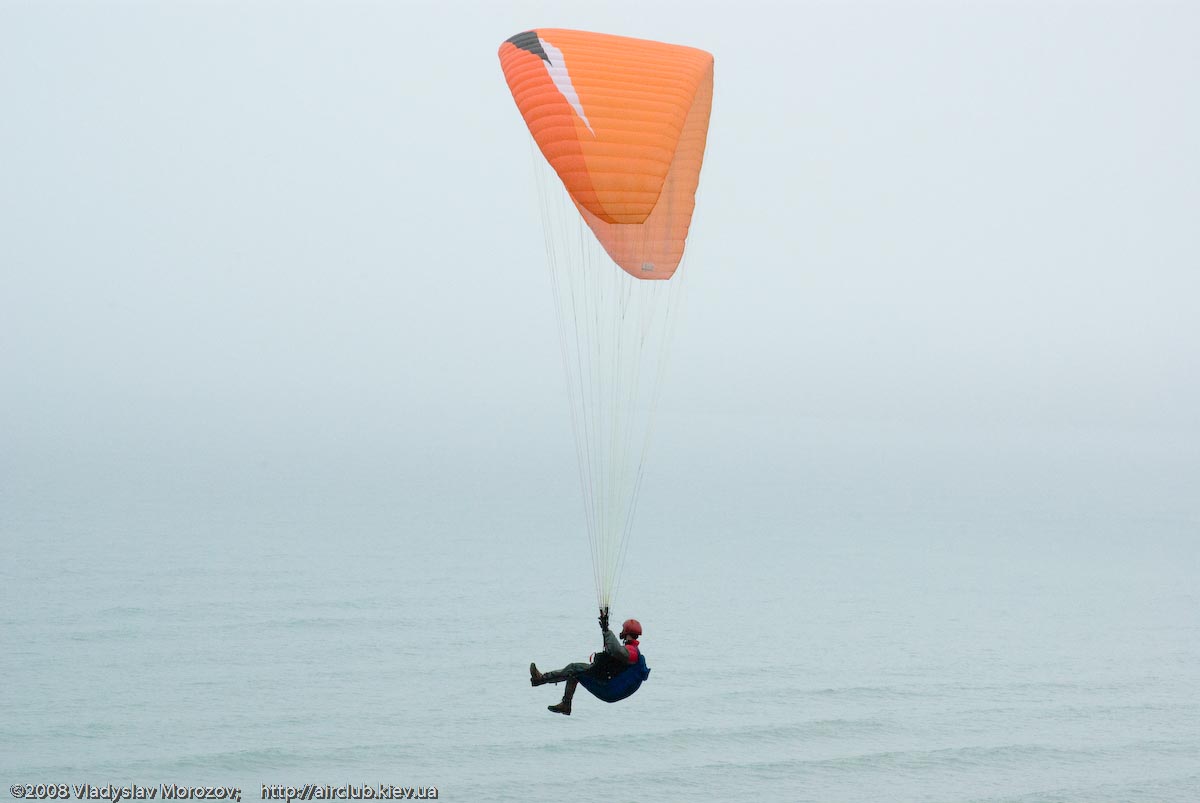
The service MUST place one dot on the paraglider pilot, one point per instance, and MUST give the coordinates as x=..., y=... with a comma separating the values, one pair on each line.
x=613, y=674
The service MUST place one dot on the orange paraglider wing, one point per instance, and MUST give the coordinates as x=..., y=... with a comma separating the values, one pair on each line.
x=623, y=122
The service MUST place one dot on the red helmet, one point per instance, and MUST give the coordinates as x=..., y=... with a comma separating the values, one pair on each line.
x=631, y=627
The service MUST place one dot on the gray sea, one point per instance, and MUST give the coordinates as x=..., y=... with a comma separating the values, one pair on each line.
x=834, y=612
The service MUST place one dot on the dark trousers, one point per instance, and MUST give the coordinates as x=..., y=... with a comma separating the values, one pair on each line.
x=568, y=672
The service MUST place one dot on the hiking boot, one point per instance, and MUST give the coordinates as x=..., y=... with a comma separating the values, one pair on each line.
x=536, y=678
x=562, y=708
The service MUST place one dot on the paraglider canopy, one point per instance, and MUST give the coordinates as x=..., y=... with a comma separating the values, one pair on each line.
x=623, y=122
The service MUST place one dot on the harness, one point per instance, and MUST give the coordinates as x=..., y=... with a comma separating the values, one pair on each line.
x=610, y=681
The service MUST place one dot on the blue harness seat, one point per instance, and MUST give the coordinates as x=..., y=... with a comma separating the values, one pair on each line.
x=620, y=685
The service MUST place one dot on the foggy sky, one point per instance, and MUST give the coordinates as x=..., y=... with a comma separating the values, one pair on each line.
x=318, y=220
